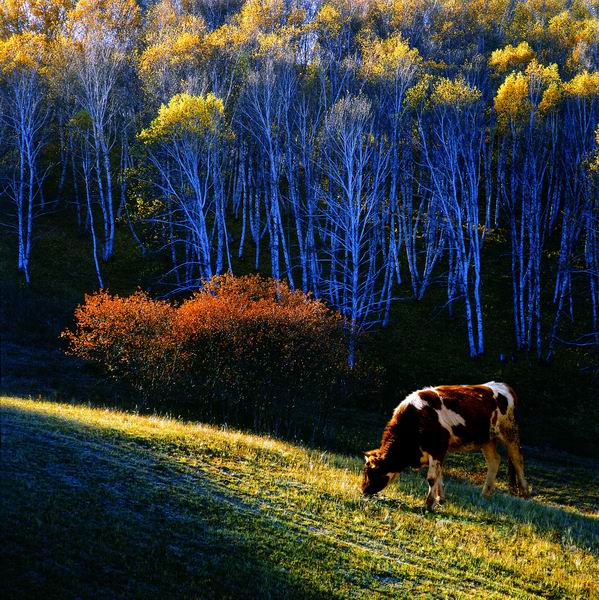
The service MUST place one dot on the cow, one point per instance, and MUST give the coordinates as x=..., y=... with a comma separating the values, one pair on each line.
x=433, y=421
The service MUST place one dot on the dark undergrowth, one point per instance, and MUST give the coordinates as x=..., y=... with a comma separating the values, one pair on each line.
x=422, y=346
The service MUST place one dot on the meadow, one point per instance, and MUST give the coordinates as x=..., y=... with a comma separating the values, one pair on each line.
x=102, y=503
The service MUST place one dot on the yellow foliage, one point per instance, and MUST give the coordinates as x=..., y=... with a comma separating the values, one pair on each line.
x=182, y=46
x=404, y=11
x=177, y=46
x=539, y=75
x=297, y=17
x=42, y=16
x=161, y=17
x=551, y=98
x=595, y=162
x=586, y=39
x=568, y=31
x=150, y=59
x=511, y=57
x=531, y=18
x=561, y=27
x=269, y=42
x=165, y=19
x=186, y=47
x=12, y=17
x=278, y=44
x=267, y=26
x=389, y=58
x=489, y=13
x=256, y=16
x=457, y=92
x=584, y=84
x=220, y=37
x=116, y=17
x=21, y=52
x=328, y=20
x=581, y=9
x=416, y=95
x=511, y=101
x=587, y=31
x=184, y=114
x=522, y=94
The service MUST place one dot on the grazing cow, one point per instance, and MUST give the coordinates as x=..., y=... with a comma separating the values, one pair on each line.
x=431, y=422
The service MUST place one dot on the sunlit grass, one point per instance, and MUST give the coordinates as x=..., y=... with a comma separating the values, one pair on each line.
x=107, y=494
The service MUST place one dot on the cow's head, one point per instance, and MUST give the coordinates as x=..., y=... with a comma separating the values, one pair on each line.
x=376, y=473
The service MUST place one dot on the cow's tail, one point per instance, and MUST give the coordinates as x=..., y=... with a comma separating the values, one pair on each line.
x=514, y=398
x=513, y=482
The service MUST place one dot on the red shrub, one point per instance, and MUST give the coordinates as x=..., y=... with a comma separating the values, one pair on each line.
x=247, y=347
x=133, y=338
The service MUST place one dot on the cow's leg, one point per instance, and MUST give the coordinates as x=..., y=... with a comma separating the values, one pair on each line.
x=493, y=459
x=434, y=478
x=518, y=484
x=511, y=439
x=441, y=490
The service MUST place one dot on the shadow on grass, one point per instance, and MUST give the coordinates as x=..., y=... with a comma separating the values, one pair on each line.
x=90, y=520
x=569, y=483
x=558, y=478
x=565, y=527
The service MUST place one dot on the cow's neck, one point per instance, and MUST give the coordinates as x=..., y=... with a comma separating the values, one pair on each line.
x=388, y=449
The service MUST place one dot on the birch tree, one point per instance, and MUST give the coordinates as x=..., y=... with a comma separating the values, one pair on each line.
x=100, y=34
x=358, y=164
x=183, y=146
x=25, y=114
x=451, y=149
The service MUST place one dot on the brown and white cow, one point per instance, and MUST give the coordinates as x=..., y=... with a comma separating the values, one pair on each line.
x=431, y=422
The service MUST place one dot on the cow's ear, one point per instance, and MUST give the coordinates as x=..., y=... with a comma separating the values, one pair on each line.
x=371, y=456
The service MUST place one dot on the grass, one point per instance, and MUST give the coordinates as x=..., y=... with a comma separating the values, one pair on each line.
x=101, y=503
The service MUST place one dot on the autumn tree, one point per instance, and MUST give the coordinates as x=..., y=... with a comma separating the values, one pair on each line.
x=184, y=143
x=525, y=103
x=391, y=67
x=452, y=138
x=362, y=150
x=355, y=167
x=99, y=38
x=24, y=59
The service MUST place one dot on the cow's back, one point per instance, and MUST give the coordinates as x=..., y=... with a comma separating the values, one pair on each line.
x=460, y=417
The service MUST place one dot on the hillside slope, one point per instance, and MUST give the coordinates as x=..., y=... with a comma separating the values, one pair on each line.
x=98, y=503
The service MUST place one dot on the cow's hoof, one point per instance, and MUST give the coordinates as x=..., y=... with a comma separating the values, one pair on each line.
x=527, y=493
x=520, y=493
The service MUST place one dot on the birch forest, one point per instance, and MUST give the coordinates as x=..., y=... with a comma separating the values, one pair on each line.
x=365, y=151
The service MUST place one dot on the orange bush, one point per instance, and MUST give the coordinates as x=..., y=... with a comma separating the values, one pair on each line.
x=247, y=349
x=133, y=338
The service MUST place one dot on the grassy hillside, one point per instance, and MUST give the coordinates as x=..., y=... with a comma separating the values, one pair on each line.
x=98, y=503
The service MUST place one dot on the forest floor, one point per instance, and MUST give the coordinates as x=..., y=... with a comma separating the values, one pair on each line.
x=98, y=503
